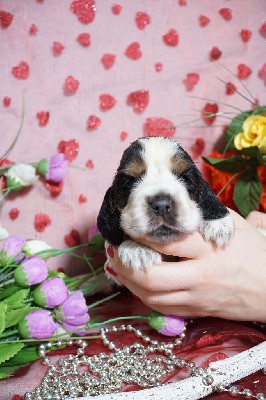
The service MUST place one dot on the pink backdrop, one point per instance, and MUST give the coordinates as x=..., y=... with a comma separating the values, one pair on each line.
x=172, y=39
x=178, y=38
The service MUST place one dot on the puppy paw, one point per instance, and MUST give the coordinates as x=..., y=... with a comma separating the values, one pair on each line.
x=136, y=256
x=220, y=231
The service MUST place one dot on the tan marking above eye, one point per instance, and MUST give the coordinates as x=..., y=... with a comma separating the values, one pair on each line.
x=135, y=168
x=179, y=164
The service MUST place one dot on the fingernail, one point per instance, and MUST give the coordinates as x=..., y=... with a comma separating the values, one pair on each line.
x=110, y=270
x=110, y=251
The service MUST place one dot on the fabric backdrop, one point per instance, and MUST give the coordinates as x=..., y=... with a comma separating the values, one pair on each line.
x=93, y=76
x=60, y=56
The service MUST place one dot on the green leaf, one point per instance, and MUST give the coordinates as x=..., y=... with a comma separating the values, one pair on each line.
x=16, y=300
x=25, y=356
x=234, y=128
x=254, y=154
x=13, y=317
x=247, y=192
x=97, y=242
x=9, y=350
x=232, y=164
x=259, y=110
x=8, y=291
x=6, y=372
x=3, y=308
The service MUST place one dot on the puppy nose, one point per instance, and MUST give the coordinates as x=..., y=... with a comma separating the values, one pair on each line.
x=161, y=205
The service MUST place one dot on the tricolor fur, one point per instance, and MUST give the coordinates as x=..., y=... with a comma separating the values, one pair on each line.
x=158, y=193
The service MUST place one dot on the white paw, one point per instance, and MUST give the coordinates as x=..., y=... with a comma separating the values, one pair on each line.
x=220, y=231
x=136, y=256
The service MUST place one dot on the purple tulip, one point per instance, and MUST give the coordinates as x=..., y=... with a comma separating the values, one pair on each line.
x=73, y=310
x=31, y=271
x=54, y=169
x=168, y=325
x=50, y=293
x=80, y=330
x=73, y=313
x=11, y=252
x=38, y=324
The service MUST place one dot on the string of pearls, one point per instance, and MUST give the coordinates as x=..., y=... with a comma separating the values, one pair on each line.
x=79, y=375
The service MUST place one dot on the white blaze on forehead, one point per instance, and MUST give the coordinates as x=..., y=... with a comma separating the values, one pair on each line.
x=159, y=178
x=157, y=154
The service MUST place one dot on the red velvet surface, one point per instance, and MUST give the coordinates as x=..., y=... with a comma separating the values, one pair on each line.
x=207, y=340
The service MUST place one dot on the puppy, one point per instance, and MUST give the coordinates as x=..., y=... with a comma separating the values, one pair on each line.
x=158, y=194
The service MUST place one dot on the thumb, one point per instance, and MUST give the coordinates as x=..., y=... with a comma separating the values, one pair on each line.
x=191, y=246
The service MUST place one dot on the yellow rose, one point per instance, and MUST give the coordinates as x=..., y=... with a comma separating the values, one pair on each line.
x=254, y=134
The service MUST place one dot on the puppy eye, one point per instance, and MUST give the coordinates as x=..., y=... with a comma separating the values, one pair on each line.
x=128, y=179
x=189, y=179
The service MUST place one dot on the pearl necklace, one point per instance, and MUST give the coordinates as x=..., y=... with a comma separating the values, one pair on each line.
x=79, y=375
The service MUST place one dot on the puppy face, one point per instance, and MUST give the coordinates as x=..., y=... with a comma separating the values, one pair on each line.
x=156, y=190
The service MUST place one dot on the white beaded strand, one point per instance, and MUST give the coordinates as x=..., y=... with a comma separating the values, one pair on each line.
x=129, y=364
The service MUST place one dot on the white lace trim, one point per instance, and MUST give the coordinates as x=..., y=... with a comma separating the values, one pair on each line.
x=226, y=371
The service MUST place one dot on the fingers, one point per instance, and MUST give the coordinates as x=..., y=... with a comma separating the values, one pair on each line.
x=188, y=246
x=167, y=276
x=172, y=303
x=257, y=219
x=181, y=311
x=156, y=297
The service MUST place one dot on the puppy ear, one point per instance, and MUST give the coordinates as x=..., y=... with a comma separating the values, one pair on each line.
x=108, y=220
x=210, y=206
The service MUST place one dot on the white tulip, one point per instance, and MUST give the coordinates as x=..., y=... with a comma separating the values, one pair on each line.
x=3, y=233
x=21, y=175
x=33, y=247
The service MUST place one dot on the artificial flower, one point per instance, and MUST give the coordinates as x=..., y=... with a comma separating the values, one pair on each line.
x=237, y=175
x=31, y=271
x=3, y=233
x=168, y=325
x=222, y=183
x=73, y=310
x=20, y=175
x=12, y=250
x=50, y=293
x=54, y=169
x=38, y=324
x=79, y=330
x=33, y=247
x=254, y=134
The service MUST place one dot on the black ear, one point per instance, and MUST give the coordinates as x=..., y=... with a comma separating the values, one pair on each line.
x=108, y=220
x=210, y=206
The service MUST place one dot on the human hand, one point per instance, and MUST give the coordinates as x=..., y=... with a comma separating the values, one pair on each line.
x=228, y=283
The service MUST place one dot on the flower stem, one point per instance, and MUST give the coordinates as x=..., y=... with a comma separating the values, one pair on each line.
x=218, y=102
x=235, y=90
x=52, y=339
x=4, y=276
x=9, y=333
x=96, y=303
x=96, y=324
x=227, y=183
x=75, y=285
x=240, y=81
x=56, y=252
x=19, y=130
x=7, y=282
